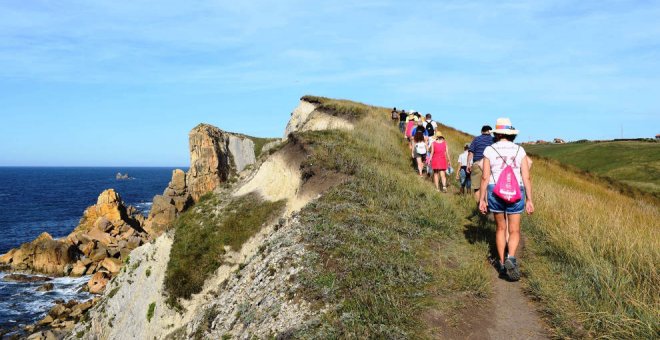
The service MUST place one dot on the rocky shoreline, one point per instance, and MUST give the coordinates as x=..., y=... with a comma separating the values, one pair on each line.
x=109, y=230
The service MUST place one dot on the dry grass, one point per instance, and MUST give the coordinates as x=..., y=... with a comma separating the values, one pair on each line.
x=603, y=247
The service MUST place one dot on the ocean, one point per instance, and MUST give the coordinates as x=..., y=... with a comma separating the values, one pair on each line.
x=52, y=199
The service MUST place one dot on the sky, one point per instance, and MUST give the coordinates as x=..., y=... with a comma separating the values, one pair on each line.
x=121, y=83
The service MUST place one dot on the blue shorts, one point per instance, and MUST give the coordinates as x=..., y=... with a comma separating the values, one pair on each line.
x=466, y=180
x=498, y=205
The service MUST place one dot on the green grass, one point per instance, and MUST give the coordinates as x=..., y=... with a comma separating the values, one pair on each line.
x=202, y=232
x=385, y=246
x=259, y=143
x=338, y=107
x=632, y=163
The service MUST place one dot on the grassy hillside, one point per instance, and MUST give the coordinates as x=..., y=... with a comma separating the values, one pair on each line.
x=386, y=249
x=633, y=163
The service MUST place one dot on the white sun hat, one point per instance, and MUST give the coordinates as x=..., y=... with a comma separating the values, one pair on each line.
x=503, y=126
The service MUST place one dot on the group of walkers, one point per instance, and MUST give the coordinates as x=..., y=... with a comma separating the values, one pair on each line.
x=492, y=166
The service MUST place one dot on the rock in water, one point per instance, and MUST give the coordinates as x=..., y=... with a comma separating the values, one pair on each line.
x=121, y=176
x=25, y=278
x=46, y=287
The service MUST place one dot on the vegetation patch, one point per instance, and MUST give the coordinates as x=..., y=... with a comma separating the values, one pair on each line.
x=150, y=311
x=202, y=232
x=259, y=144
x=338, y=107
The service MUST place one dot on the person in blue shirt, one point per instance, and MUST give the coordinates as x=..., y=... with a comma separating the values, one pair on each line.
x=476, y=155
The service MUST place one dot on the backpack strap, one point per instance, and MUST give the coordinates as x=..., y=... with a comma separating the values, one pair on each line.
x=514, y=159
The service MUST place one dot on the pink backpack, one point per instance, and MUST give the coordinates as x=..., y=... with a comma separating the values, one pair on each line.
x=507, y=187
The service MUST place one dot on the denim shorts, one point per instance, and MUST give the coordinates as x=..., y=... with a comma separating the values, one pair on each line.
x=465, y=178
x=498, y=205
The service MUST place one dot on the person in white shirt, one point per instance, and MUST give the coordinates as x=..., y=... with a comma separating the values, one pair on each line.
x=497, y=157
x=462, y=174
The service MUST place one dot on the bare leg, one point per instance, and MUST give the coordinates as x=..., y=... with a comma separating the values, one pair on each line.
x=500, y=237
x=514, y=233
x=444, y=178
x=419, y=165
x=435, y=179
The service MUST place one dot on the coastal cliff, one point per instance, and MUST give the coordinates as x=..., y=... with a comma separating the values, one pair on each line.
x=268, y=260
x=225, y=165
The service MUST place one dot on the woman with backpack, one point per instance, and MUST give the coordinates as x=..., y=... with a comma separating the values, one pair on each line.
x=506, y=191
x=439, y=160
x=419, y=149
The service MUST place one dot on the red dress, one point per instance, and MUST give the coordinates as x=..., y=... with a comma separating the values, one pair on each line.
x=439, y=160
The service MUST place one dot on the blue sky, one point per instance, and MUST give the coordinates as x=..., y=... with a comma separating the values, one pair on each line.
x=122, y=82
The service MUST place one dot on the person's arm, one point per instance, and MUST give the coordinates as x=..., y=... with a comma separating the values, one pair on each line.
x=527, y=182
x=483, y=204
x=469, y=161
x=448, y=157
x=431, y=156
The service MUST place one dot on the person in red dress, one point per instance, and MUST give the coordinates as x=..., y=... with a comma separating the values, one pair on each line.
x=440, y=160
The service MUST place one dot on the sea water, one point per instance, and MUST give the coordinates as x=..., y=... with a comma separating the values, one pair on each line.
x=44, y=199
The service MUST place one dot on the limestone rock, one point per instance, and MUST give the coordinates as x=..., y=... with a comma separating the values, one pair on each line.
x=100, y=236
x=209, y=161
x=79, y=269
x=44, y=255
x=97, y=283
x=241, y=150
x=111, y=264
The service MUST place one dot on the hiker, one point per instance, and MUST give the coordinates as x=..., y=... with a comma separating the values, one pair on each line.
x=463, y=175
x=395, y=115
x=410, y=125
x=419, y=149
x=439, y=160
x=430, y=125
x=476, y=155
x=420, y=126
x=506, y=191
x=402, y=121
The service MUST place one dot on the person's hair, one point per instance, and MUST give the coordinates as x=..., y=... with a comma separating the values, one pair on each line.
x=419, y=136
x=428, y=116
x=486, y=128
x=466, y=147
x=500, y=136
x=418, y=115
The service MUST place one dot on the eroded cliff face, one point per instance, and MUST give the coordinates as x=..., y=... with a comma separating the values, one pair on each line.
x=307, y=117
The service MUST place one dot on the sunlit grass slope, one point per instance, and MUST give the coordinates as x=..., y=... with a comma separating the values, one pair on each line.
x=633, y=163
x=386, y=247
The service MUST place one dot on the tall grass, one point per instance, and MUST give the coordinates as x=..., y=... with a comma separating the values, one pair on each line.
x=598, y=251
x=591, y=253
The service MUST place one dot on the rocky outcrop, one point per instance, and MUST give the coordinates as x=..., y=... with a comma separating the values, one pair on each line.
x=215, y=156
x=106, y=234
x=44, y=255
x=60, y=319
x=209, y=160
x=166, y=207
